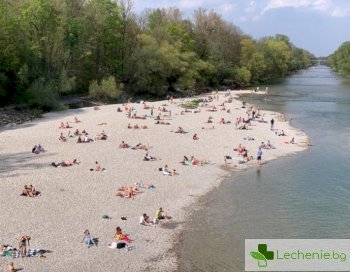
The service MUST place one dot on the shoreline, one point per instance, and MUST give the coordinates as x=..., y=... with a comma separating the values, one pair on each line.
x=153, y=246
x=197, y=209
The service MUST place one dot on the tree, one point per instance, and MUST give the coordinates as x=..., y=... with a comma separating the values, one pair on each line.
x=277, y=56
x=340, y=59
x=107, y=89
x=63, y=46
x=242, y=76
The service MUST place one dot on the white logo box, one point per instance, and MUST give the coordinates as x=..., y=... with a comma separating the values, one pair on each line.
x=298, y=255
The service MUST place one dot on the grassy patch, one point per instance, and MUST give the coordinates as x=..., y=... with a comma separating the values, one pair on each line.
x=193, y=104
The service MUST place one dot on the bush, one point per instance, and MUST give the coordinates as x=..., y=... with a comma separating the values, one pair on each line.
x=42, y=94
x=107, y=89
x=37, y=113
x=193, y=104
x=66, y=84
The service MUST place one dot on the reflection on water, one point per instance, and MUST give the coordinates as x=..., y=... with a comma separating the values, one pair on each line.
x=302, y=196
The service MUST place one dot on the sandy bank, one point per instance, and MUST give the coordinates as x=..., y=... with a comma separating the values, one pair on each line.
x=74, y=198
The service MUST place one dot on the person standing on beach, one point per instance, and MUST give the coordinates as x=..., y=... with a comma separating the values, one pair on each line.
x=97, y=166
x=258, y=157
x=23, y=245
x=272, y=123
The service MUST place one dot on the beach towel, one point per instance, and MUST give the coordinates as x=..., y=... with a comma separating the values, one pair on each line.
x=124, y=238
x=34, y=252
x=30, y=253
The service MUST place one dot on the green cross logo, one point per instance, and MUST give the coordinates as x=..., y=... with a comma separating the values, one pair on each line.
x=262, y=255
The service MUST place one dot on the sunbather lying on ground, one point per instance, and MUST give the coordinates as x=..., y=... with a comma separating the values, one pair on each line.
x=148, y=157
x=167, y=172
x=65, y=163
x=212, y=127
x=124, y=145
x=139, y=146
x=162, y=123
x=138, y=117
x=128, y=191
x=146, y=186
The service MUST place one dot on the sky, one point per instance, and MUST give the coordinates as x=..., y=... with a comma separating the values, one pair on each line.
x=319, y=26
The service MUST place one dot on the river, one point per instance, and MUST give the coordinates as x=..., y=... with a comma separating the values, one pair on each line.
x=300, y=196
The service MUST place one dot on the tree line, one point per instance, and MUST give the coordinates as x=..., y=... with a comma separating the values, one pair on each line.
x=340, y=59
x=50, y=48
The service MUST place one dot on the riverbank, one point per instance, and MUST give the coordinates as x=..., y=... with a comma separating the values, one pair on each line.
x=12, y=116
x=74, y=198
x=298, y=196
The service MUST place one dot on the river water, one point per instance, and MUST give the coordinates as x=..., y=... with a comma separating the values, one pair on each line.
x=302, y=196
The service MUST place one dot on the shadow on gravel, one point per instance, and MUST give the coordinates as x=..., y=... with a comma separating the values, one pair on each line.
x=67, y=115
x=16, y=126
x=170, y=225
x=21, y=161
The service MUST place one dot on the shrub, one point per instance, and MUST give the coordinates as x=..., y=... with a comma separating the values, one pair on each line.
x=193, y=104
x=42, y=94
x=107, y=89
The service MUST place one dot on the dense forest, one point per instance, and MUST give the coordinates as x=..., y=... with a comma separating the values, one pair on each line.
x=50, y=48
x=340, y=59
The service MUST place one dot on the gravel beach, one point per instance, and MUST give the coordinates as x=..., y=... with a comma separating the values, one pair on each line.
x=74, y=198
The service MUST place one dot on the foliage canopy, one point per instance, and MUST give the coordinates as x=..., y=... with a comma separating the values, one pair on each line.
x=50, y=48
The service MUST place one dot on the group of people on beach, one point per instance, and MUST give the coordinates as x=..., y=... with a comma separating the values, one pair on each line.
x=121, y=239
x=132, y=191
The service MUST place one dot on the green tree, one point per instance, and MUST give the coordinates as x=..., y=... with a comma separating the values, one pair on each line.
x=106, y=90
x=242, y=76
x=340, y=59
x=277, y=56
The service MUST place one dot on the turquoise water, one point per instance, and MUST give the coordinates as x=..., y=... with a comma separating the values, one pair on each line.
x=302, y=196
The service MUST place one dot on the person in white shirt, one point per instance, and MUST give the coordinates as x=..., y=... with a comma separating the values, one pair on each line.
x=144, y=220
